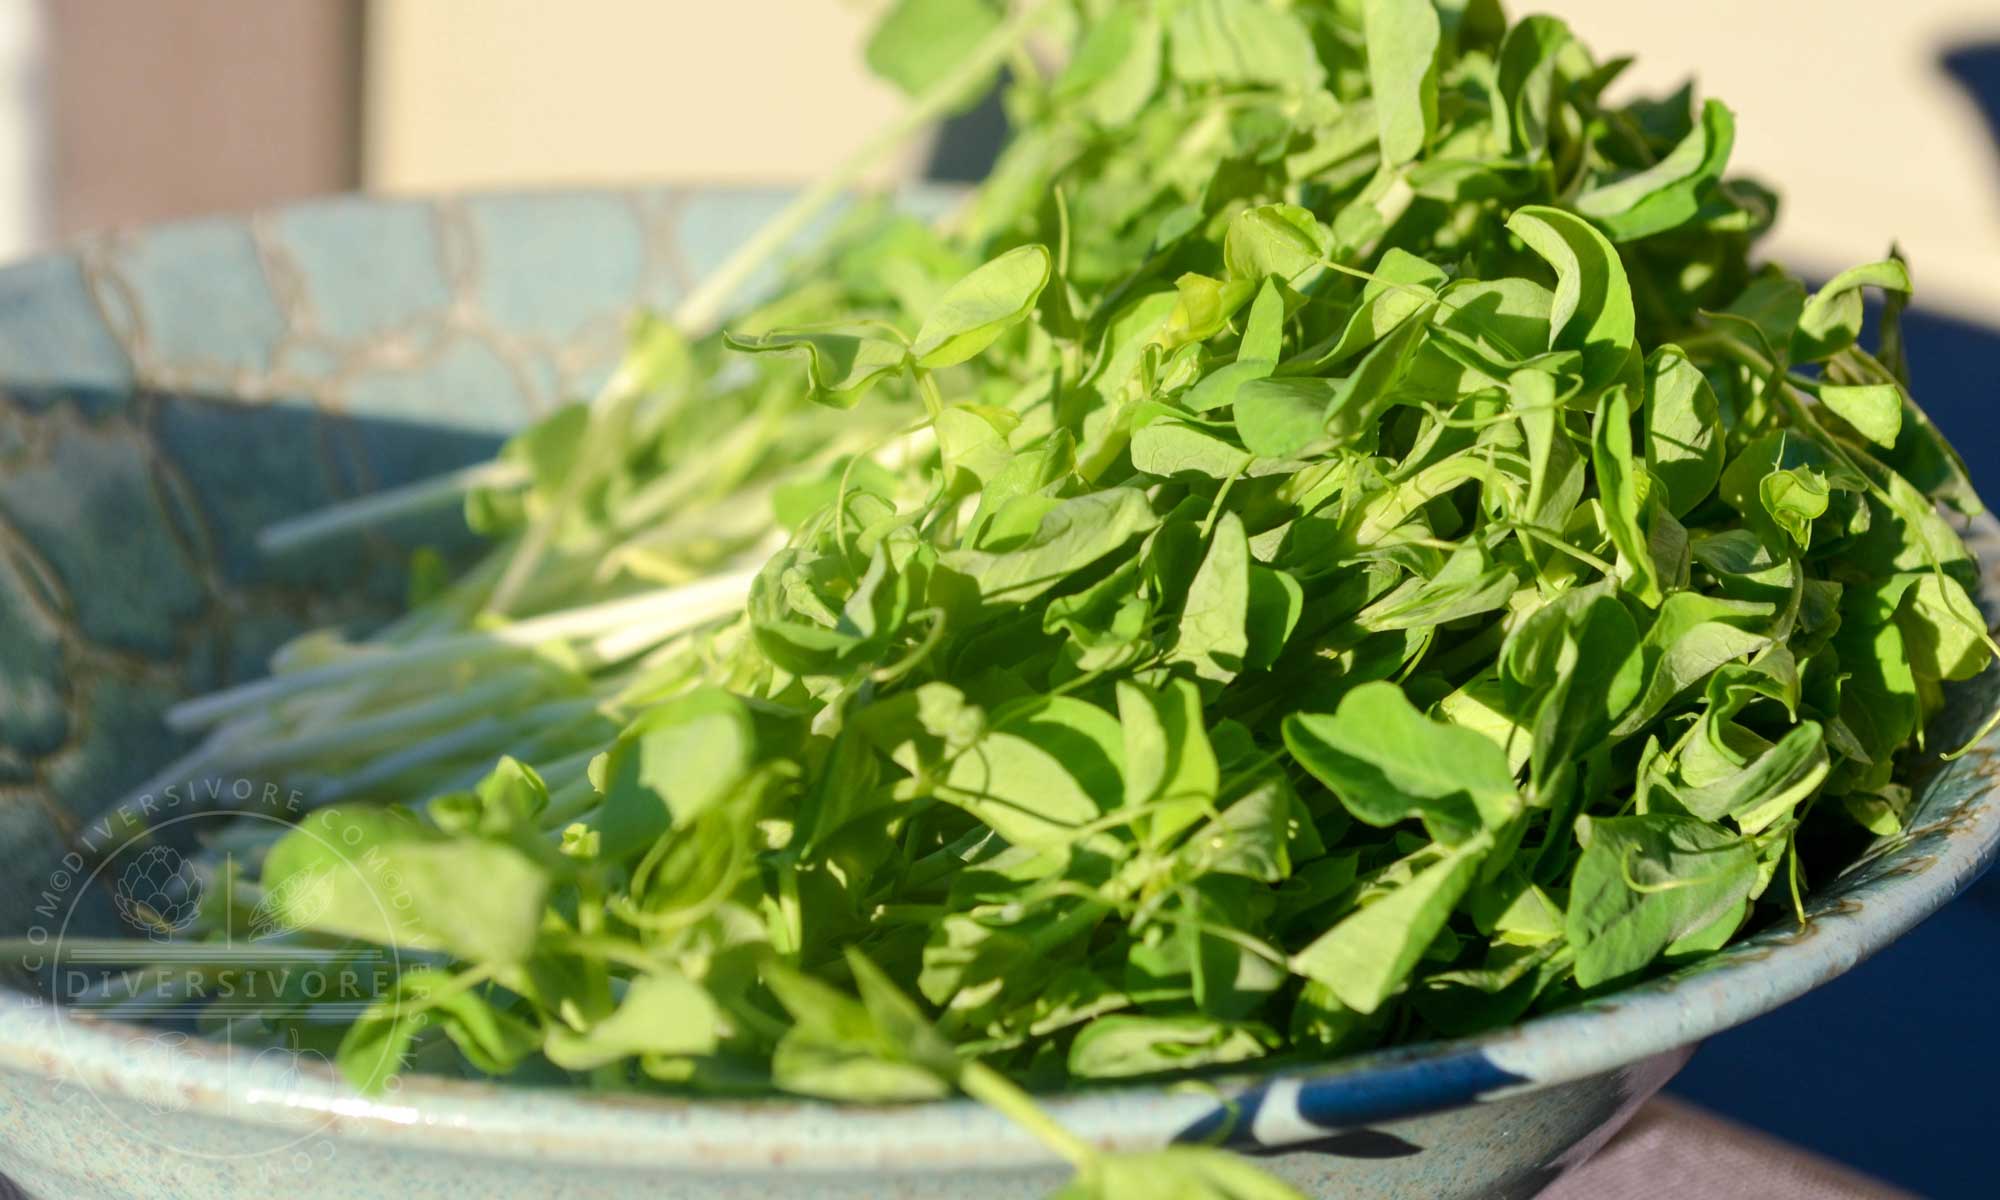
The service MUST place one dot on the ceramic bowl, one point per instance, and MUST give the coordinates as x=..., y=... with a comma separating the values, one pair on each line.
x=167, y=392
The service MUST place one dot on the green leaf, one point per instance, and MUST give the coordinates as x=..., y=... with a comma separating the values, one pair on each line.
x=673, y=763
x=1690, y=638
x=1943, y=630
x=1669, y=193
x=1794, y=498
x=662, y=1012
x=1276, y=602
x=1569, y=670
x=1875, y=410
x=1831, y=319
x=1070, y=535
x=1168, y=760
x=1400, y=285
x=1251, y=837
x=1762, y=791
x=1213, y=638
x=920, y=43
x=1771, y=306
x=1618, y=491
x=1264, y=333
x=1182, y=1172
x=898, y=1018
x=1526, y=78
x=837, y=1049
x=1878, y=697
x=1684, y=440
x=1242, y=42
x=1171, y=448
x=1278, y=418
x=376, y=1045
x=1281, y=240
x=1358, y=401
x=975, y=311
x=1468, y=584
x=1555, y=469
x=1502, y=323
x=1593, y=299
x=503, y=804
x=841, y=362
x=1370, y=953
x=379, y=875
x=1202, y=306
x=1646, y=881
x=1402, y=43
x=1116, y=67
x=1037, y=777
x=1117, y=1046
x=1387, y=762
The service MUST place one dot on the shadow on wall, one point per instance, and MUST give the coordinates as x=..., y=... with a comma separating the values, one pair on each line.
x=1953, y=362
x=968, y=144
x=1976, y=68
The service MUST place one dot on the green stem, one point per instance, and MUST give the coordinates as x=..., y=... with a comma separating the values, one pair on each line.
x=568, y=805
x=999, y=1093
x=704, y=305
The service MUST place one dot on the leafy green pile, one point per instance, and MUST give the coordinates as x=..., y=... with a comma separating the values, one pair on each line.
x=1336, y=544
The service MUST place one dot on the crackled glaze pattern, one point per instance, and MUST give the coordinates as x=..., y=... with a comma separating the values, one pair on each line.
x=169, y=391
x=164, y=393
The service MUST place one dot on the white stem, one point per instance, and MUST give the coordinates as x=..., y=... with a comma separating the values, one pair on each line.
x=480, y=736
x=368, y=731
x=377, y=508
x=620, y=644
x=677, y=608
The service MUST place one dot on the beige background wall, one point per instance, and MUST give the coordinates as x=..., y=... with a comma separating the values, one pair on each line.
x=1840, y=103
x=481, y=92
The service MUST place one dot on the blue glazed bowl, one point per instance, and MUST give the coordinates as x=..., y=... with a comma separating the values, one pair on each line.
x=166, y=393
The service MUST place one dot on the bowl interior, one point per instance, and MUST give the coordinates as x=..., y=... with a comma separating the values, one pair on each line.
x=167, y=392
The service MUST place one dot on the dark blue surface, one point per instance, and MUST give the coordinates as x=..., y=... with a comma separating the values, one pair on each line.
x=1976, y=68
x=1889, y=1068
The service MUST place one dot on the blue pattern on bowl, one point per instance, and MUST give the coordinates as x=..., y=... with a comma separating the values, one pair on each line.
x=168, y=392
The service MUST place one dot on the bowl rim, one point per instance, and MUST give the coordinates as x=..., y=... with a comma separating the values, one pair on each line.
x=1898, y=883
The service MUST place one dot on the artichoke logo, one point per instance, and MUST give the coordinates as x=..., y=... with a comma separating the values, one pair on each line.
x=159, y=892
